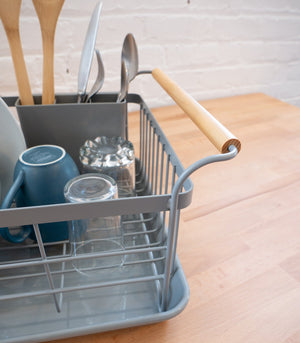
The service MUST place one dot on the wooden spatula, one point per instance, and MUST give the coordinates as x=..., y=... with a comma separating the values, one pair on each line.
x=9, y=13
x=48, y=12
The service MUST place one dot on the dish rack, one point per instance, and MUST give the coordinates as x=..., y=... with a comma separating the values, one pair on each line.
x=43, y=297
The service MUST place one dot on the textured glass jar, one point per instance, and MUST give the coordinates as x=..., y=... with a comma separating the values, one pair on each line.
x=112, y=156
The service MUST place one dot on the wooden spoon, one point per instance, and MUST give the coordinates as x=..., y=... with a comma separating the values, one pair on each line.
x=9, y=13
x=48, y=12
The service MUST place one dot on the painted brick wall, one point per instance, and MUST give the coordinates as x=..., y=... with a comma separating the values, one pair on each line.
x=210, y=48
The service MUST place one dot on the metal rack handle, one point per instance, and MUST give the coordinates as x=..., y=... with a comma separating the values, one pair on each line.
x=173, y=225
x=218, y=134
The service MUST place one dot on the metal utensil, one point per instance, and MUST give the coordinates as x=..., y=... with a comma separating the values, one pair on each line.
x=130, y=56
x=129, y=65
x=100, y=77
x=9, y=13
x=87, y=52
x=48, y=12
x=124, y=82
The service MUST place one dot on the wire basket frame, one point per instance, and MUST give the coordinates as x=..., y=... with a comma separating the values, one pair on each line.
x=150, y=223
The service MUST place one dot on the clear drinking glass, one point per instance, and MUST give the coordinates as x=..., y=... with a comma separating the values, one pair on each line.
x=94, y=235
x=112, y=156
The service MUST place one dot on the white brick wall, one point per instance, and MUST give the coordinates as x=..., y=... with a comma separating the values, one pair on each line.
x=210, y=48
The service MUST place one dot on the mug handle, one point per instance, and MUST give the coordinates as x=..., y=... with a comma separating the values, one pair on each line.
x=4, y=231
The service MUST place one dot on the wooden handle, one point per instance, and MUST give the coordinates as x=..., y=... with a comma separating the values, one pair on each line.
x=9, y=13
x=48, y=69
x=221, y=137
x=48, y=12
x=20, y=67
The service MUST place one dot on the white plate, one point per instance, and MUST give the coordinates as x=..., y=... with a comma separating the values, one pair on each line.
x=12, y=143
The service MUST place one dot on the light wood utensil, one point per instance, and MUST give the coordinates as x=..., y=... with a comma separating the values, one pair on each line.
x=48, y=12
x=10, y=13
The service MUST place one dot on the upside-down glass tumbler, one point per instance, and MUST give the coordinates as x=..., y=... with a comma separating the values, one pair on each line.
x=95, y=243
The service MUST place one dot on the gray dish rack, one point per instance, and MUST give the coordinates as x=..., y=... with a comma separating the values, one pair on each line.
x=44, y=298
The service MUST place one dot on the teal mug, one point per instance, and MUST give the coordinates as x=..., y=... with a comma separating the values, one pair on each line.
x=40, y=175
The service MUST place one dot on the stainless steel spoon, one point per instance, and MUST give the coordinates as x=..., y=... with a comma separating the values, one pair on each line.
x=124, y=82
x=130, y=56
x=100, y=77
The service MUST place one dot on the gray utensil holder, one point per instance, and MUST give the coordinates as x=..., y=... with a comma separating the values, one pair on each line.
x=69, y=124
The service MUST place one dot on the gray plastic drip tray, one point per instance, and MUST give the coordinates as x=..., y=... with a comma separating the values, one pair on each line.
x=35, y=319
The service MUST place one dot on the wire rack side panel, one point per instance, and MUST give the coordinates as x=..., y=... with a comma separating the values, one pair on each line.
x=158, y=167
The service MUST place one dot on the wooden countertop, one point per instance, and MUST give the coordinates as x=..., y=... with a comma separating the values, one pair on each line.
x=239, y=240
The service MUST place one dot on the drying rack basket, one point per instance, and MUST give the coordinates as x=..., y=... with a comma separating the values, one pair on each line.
x=42, y=296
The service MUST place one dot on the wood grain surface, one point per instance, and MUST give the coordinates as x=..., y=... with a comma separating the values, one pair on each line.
x=239, y=240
